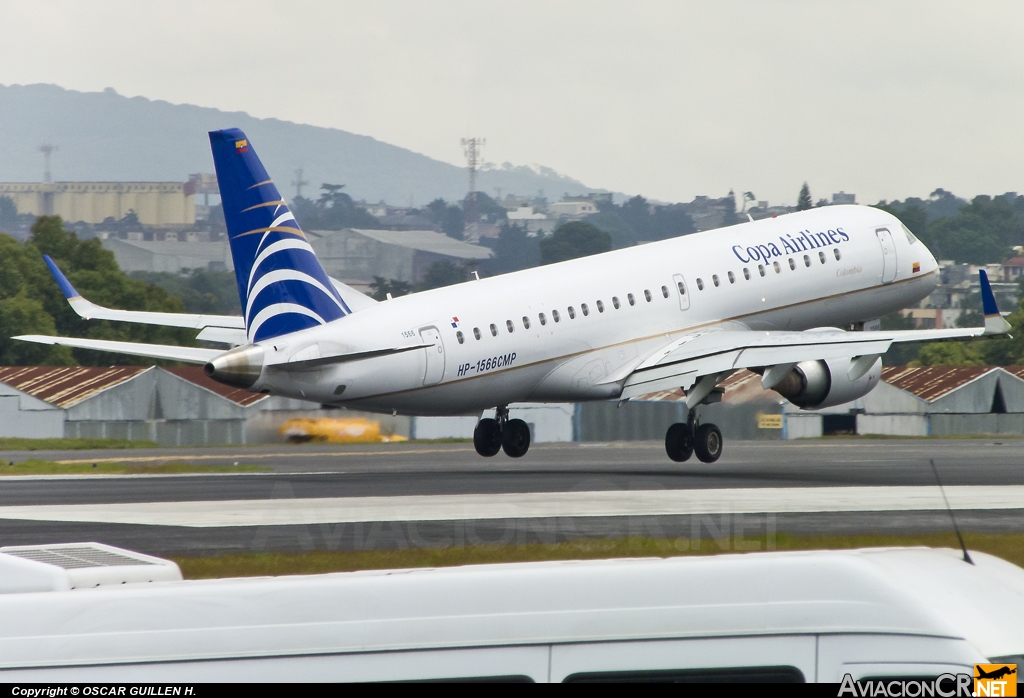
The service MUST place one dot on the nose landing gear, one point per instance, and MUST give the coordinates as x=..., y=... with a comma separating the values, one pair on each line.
x=683, y=440
x=502, y=433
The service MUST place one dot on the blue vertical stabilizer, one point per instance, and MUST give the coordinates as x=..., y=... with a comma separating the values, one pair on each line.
x=281, y=284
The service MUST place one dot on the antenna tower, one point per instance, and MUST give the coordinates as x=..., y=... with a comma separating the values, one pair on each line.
x=46, y=150
x=299, y=183
x=471, y=148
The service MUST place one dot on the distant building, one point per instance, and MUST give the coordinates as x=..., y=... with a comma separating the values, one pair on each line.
x=1013, y=269
x=356, y=256
x=843, y=198
x=169, y=255
x=155, y=203
x=176, y=406
x=576, y=208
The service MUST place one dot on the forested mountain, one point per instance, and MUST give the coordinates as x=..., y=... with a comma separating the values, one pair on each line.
x=103, y=136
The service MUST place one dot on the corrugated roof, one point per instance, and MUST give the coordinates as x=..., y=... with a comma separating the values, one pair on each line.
x=195, y=375
x=65, y=386
x=932, y=382
x=742, y=386
x=425, y=241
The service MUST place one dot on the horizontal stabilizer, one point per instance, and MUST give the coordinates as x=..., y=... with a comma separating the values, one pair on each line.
x=153, y=351
x=90, y=311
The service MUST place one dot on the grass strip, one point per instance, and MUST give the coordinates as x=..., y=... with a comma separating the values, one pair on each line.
x=13, y=443
x=45, y=467
x=1008, y=546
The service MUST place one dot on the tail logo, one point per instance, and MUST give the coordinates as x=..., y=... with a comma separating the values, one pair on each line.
x=281, y=284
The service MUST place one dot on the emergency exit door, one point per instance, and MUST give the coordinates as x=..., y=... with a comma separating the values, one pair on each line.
x=434, y=370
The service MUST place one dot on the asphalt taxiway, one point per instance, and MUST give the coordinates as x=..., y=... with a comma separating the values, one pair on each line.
x=423, y=494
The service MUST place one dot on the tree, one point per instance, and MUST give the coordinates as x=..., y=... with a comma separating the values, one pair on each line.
x=804, y=202
x=381, y=287
x=334, y=210
x=572, y=240
x=514, y=250
x=949, y=354
x=449, y=217
x=200, y=290
x=729, y=216
x=443, y=273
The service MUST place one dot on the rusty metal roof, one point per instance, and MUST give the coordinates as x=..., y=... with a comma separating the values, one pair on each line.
x=932, y=382
x=195, y=375
x=65, y=386
x=742, y=386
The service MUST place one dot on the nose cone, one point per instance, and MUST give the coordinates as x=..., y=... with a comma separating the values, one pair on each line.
x=240, y=367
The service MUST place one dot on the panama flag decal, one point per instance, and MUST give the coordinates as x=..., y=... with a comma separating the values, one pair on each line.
x=455, y=322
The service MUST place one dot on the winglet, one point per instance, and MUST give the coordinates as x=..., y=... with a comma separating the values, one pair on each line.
x=994, y=321
x=65, y=286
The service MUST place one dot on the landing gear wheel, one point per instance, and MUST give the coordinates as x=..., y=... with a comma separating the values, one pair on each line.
x=707, y=443
x=487, y=437
x=515, y=438
x=679, y=442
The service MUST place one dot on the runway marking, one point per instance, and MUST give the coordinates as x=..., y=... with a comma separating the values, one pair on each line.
x=336, y=510
x=251, y=456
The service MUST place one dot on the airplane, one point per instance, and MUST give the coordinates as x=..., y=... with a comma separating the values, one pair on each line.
x=995, y=673
x=778, y=296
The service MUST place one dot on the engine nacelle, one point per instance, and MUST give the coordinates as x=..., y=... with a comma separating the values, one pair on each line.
x=815, y=384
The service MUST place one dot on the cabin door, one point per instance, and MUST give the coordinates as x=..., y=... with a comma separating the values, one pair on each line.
x=435, y=355
x=888, y=255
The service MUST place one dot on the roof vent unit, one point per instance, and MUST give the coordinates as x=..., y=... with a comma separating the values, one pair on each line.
x=31, y=568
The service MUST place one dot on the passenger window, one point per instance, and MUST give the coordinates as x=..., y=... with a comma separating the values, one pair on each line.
x=647, y=295
x=555, y=316
x=700, y=284
x=543, y=320
x=732, y=278
x=760, y=269
x=746, y=273
x=714, y=280
x=838, y=255
x=526, y=323
x=821, y=256
x=682, y=289
x=458, y=336
x=572, y=313
x=664, y=291
x=792, y=264
x=807, y=261
x=615, y=302
x=494, y=330
x=631, y=299
x=585, y=309
x=510, y=326
x=777, y=267
x=476, y=332
x=600, y=307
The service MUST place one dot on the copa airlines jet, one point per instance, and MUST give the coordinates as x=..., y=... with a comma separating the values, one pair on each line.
x=767, y=295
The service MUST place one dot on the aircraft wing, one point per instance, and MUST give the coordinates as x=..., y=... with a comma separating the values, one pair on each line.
x=91, y=311
x=155, y=351
x=712, y=355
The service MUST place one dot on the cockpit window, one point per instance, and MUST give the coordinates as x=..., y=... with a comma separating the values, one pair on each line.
x=910, y=236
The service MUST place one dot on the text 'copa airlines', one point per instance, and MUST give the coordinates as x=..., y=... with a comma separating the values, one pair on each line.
x=794, y=307
x=791, y=244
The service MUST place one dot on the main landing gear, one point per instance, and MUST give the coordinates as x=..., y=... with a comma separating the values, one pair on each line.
x=684, y=440
x=493, y=435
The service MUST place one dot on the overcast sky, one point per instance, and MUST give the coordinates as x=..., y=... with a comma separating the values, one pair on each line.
x=666, y=98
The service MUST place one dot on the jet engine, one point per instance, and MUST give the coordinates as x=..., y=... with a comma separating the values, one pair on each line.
x=816, y=384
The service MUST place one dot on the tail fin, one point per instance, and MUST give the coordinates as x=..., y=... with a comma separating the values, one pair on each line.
x=281, y=284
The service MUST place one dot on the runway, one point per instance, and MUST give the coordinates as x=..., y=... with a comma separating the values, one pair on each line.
x=399, y=495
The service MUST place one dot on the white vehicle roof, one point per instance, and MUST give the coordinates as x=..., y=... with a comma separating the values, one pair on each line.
x=915, y=591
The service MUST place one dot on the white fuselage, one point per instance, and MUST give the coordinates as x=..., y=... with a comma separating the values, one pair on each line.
x=592, y=346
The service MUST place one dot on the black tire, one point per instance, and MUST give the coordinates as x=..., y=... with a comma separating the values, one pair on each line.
x=678, y=442
x=515, y=438
x=487, y=437
x=707, y=443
